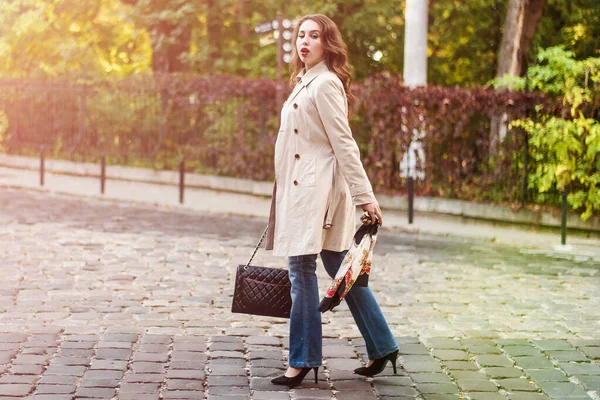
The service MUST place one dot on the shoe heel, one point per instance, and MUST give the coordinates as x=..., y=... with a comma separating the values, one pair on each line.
x=316, y=369
x=393, y=358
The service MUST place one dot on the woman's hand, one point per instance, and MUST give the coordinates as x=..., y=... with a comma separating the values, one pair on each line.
x=374, y=211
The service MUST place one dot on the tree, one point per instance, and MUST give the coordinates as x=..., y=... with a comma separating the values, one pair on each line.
x=520, y=26
x=63, y=37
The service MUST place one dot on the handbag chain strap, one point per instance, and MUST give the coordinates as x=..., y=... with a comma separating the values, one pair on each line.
x=257, y=246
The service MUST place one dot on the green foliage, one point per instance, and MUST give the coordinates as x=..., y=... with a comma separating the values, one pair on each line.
x=566, y=148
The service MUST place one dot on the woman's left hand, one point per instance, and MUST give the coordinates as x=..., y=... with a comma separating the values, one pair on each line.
x=374, y=211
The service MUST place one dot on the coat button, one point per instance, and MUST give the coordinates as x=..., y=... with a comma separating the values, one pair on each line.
x=295, y=183
x=295, y=105
x=295, y=130
x=297, y=156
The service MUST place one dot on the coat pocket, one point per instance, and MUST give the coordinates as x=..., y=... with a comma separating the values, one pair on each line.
x=307, y=170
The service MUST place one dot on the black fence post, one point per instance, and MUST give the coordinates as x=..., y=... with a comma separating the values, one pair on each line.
x=563, y=228
x=181, y=180
x=525, y=153
x=102, y=173
x=42, y=166
x=411, y=196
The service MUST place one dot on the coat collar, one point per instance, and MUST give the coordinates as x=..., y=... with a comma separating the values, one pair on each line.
x=306, y=77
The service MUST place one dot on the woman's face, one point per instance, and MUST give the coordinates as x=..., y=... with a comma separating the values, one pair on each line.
x=308, y=45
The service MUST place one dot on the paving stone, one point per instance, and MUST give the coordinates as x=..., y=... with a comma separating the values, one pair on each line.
x=136, y=396
x=57, y=379
x=188, y=384
x=227, y=380
x=143, y=378
x=517, y=385
x=335, y=352
x=114, y=354
x=54, y=389
x=100, y=383
x=270, y=395
x=470, y=375
x=444, y=343
x=476, y=385
x=430, y=378
x=493, y=361
x=240, y=362
x=229, y=390
x=461, y=365
x=185, y=374
x=408, y=391
x=103, y=374
x=65, y=370
x=541, y=375
x=552, y=344
x=184, y=395
x=503, y=372
x=189, y=364
x=483, y=349
x=571, y=355
x=437, y=388
x=22, y=379
x=413, y=348
x=512, y=342
x=225, y=370
x=520, y=351
x=310, y=394
x=394, y=380
x=451, y=355
x=527, y=396
x=562, y=389
x=15, y=390
x=147, y=367
x=486, y=396
x=361, y=396
x=591, y=352
x=109, y=364
x=103, y=393
x=268, y=355
x=580, y=369
x=585, y=342
x=439, y=396
x=264, y=340
x=48, y=397
x=265, y=372
x=589, y=382
x=153, y=357
x=421, y=366
x=533, y=362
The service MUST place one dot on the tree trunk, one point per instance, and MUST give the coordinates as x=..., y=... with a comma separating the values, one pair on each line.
x=522, y=20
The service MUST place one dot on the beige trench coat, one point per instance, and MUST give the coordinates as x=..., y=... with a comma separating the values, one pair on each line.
x=319, y=178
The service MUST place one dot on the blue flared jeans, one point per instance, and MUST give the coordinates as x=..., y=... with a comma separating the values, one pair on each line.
x=306, y=335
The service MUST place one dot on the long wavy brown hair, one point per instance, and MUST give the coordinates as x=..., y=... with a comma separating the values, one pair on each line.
x=335, y=52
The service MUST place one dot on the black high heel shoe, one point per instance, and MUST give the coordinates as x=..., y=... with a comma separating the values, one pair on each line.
x=378, y=365
x=296, y=380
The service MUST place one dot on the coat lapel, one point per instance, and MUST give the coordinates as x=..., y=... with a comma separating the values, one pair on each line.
x=306, y=78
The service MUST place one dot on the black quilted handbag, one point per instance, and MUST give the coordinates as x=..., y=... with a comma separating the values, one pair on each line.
x=261, y=290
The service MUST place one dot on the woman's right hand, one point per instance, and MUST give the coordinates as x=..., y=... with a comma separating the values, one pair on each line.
x=374, y=211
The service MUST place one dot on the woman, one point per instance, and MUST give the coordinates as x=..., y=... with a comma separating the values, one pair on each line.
x=319, y=180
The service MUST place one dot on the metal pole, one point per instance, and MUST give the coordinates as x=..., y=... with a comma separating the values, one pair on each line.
x=525, y=152
x=42, y=166
x=102, y=173
x=411, y=195
x=563, y=229
x=181, y=179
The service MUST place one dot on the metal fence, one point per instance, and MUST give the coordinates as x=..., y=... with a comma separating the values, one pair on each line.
x=141, y=122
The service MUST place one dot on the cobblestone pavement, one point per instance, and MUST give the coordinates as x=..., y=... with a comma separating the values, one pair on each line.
x=113, y=300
